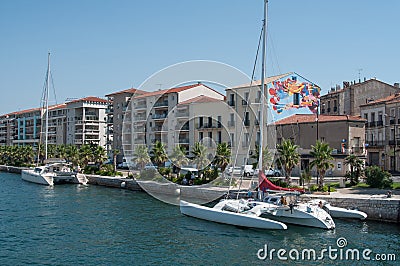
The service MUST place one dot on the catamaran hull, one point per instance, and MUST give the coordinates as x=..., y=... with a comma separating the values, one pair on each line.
x=338, y=212
x=309, y=222
x=226, y=217
x=37, y=178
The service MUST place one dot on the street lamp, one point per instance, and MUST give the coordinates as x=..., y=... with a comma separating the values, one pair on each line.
x=395, y=140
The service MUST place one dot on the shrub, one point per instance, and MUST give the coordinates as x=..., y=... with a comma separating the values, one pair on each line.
x=378, y=178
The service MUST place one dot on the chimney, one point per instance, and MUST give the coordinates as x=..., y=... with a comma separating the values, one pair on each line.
x=346, y=84
x=397, y=85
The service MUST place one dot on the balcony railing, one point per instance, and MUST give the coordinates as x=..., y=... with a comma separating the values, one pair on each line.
x=372, y=124
x=392, y=121
x=376, y=143
x=159, y=116
x=245, y=102
x=335, y=109
x=246, y=123
x=231, y=103
x=379, y=123
x=393, y=142
x=161, y=104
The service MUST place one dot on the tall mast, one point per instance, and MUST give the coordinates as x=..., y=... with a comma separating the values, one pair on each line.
x=263, y=66
x=46, y=103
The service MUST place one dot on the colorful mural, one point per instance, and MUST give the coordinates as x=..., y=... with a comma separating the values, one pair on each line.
x=290, y=93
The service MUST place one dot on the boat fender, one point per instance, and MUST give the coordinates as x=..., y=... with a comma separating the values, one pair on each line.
x=123, y=184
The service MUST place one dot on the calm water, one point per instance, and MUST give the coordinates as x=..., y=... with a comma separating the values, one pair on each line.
x=90, y=225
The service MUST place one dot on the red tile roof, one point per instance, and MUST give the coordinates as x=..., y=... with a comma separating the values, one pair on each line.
x=89, y=99
x=389, y=99
x=131, y=91
x=311, y=118
x=200, y=99
x=172, y=90
x=51, y=107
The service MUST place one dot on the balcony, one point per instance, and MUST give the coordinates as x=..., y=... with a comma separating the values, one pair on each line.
x=392, y=121
x=357, y=149
x=182, y=127
x=109, y=110
x=376, y=143
x=379, y=123
x=231, y=103
x=182, y=114
x=140, y=118
x=372, y=124
x=335, y=109
x=393, y=142
x=141, y=105
x=161, y=104
x=183, y=141
x=159, y=116
x=159, y=129
x=246, y=122
x=231, y=123
x=245, y=102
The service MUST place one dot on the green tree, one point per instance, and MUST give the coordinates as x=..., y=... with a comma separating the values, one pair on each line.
x=267, y=159
x=159, y=154
x=356, y=168
x=179, y=158
x=322, y=154
x=72, y=153
x=288, y=157
x=378, y=178
x=141, y=156
x=200, y=156
x=222, y=156
x=99, y=155
x=85, y=155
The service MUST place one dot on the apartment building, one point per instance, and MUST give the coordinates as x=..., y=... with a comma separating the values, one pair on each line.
x=205, y=116
x=348, y=99
x=7, y=130
x=344, y=133
x=117, y=107
x=155, y=116
x=382, y=131
x=86, y=121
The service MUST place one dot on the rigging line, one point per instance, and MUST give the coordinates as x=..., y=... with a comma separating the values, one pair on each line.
x=273, y=51
x=54, y=88
x=241, y=131
x=305, y=79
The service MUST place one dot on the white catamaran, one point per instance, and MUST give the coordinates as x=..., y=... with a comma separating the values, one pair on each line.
x=58, y=171
x=236, y=212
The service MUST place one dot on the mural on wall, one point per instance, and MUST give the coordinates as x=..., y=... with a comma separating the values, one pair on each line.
x=293, y=94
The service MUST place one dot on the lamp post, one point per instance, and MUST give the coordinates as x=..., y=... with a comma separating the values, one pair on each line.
x=395, y=140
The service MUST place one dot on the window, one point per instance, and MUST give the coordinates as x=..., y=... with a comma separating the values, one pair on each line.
x=200, y=136
x=210, y=139
x=201, y=121
x=210, y=121
x=219, y=121
x=219, y=137
x=232, y=139
x=366, y=117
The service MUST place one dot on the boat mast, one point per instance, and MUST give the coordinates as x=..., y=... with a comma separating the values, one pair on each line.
x=263, y=91
x=46, y=103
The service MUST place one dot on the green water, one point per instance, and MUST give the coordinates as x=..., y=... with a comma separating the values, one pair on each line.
x=91, y=225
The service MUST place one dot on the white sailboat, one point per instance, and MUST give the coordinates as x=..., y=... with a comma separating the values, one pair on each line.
x=235, y=212
x=56, y=172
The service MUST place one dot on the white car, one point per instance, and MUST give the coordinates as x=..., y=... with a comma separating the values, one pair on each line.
x=270, y=172
x=247, y=170
x=233, y=170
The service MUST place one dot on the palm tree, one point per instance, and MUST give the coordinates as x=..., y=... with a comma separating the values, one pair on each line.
x=72, y=155
x=159, y=154
x=288, y=157
x=223, y=156
x=141, y=156
x=179, y=158
x=85, y=155
x=99, y=155
x=322, y=154
x=356, y=166
x=200, y=155
x=115, y=152
x=267, y=159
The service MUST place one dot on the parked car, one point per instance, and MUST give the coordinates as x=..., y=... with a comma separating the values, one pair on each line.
x=123, y=165
x=247, y=170
x=273, y=172
x=270, y=172
x=233, y=170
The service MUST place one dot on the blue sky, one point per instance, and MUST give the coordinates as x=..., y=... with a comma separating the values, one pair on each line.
x=99, y=47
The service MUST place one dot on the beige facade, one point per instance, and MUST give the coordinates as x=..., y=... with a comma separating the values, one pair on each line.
x=243, y=121
x=382, y=131
x=347, y=100
x=7, y=129
x=344, y=133
x=159, y=116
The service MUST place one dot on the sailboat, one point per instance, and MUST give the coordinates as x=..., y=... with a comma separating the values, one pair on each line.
x=235, y=212
x=56, y=171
